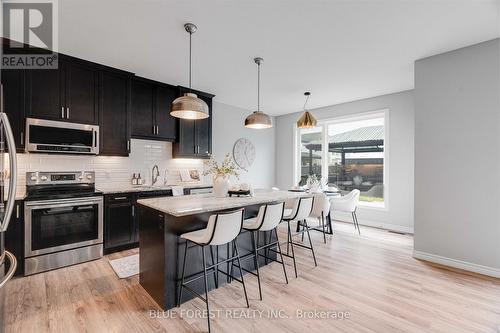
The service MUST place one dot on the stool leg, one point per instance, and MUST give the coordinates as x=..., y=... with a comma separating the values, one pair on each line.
x=269, y=242
x=206, y=284
x=290, y=242
x=256, y=263
x=241, y=272
x=281, y=255
x=216, y=280
x=323, y=226
x=357, y=223
x=183, y=271
x=228, y=264
x=310, y=243
x=303, y=230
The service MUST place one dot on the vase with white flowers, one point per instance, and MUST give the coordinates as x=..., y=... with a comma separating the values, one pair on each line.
x=221, y=174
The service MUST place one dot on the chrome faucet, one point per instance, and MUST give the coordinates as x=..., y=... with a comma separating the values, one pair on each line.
x=154, y=176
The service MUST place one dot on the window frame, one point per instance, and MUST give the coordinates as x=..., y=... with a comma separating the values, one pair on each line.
x=323, y=123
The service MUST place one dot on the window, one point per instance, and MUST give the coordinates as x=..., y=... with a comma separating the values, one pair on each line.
x=311, y=156
x=354, y=158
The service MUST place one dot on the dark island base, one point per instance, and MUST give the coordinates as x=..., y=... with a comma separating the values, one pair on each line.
x=161, y=253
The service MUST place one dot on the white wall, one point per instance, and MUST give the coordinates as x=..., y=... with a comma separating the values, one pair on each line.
x=399, y=214
x=457, y=158
x=228, y=126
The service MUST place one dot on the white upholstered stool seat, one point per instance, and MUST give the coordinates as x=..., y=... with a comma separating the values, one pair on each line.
x=199, y=236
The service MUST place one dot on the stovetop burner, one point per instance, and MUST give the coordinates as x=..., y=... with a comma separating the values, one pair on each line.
x=60, y=185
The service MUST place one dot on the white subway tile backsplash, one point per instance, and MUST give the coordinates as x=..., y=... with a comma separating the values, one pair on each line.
x=112, y=171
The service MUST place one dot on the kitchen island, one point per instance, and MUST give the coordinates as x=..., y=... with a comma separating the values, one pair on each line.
x=163, y=220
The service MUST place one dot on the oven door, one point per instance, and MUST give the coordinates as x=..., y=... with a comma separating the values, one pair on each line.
x=58, y=225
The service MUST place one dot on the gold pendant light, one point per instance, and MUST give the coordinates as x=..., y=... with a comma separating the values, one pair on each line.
x=307, y=120
x=258, y=119
x=189, y=106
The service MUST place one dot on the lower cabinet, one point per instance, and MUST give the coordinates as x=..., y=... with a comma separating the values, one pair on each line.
x=120, y=229
x=14, y=236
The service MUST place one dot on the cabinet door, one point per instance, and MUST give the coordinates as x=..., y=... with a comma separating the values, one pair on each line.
x=204, y=132
x=120, y=226
x=13, y=92
x=186, y=145
x=114, y=114
x=14, y=236
x=142, y=109
x=45, y=93
x=81, y=93
x=165, y=123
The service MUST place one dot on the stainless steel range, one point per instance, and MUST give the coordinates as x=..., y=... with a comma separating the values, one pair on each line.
x=63, y=220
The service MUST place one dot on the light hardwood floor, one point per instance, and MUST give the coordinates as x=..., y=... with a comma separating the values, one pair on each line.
x=372, y=277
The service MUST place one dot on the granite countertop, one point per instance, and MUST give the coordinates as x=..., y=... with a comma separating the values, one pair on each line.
x=144, y=188
x=202, y=203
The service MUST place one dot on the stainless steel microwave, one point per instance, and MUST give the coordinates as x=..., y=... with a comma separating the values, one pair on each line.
x=48, y=136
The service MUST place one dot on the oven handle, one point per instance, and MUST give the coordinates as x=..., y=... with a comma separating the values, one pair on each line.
x=64, y=202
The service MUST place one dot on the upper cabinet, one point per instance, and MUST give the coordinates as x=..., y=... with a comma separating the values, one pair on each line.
x=122, y=104
x=151, y=102
x=114, y=112
x=13, y=92
x=69, y=93
x=195, y=136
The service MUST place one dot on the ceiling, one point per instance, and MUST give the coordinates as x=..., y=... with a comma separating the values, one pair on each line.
x=339, y=50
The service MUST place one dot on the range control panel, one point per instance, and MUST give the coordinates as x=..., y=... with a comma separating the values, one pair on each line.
x=53, y=178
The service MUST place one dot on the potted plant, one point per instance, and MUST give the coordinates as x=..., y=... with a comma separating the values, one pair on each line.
x=221, y=174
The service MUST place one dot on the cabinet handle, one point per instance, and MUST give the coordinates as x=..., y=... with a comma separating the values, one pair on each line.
x=128, y=146
x=133, y=210
x=157, y=129
x=22, y=138
x=62, y=113
x=120, y=198
x=154, y=129
x=67, y=113
x=17, y=211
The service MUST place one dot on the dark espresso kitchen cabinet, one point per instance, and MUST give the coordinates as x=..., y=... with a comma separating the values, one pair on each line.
x=194, y=137
x=14, y=236
x=120, y=229
x=114, y=113
x=13, y=92
x=166, y=124
x=151, y=102
x=69, y=93
x=143, y=117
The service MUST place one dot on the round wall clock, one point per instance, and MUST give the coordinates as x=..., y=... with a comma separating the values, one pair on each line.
x=244, y=153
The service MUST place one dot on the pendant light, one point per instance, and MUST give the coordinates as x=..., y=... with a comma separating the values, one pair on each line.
x=258, y=119
x=307, y=120
x=189, y=106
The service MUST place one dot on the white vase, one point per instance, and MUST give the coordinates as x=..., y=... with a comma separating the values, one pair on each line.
x=221, y=186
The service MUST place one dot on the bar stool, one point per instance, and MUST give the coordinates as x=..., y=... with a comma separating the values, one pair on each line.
x=222, y=228
x=319, y=213
x=267, y=219
x=301, y=210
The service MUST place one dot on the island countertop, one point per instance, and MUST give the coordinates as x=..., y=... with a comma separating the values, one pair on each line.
x=202, y=203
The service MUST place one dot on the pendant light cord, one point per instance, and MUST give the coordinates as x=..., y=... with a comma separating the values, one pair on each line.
x=258, y=86
x=190, y=47
x=307, y=99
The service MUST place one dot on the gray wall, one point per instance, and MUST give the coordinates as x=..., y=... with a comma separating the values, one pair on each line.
x=457, y=158
x=228, y=126
x=399, y=215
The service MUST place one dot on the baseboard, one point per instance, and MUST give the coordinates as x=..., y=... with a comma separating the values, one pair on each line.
x=375, y=224
x=467, y=266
